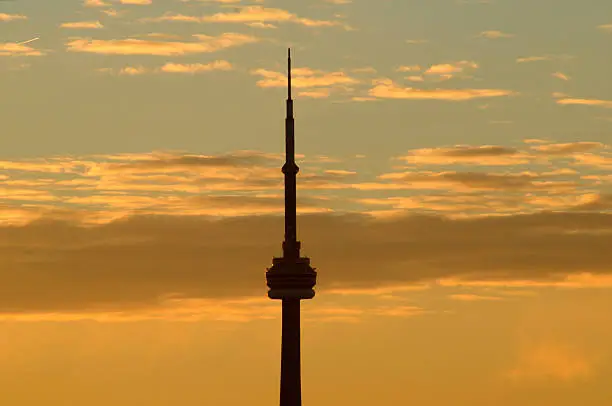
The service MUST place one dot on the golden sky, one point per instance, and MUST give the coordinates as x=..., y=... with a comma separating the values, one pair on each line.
x=455, y=196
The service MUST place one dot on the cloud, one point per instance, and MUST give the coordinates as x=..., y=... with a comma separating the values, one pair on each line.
x=315, y=94
x=586, y=102
x=364, y=99
x=546, y=57
x=473, y=181
x=571, y=281
x=162, y=35
x=196, y=67
x=96, y=3
x=415, y=78
x=450, y=68
x=548, y=360
x=165, y=182
x=561, y=76
x=605, y=27
x=468, y=297
x=597, y=202
x=262, y=14
x=82, y=24
x=12, y=17
x=252, y=15
x=176, y=163
x=259, y=24
x=61, y=266
x=494, y=34
x=132, y=70
x=303, y=78
x=137, y=2
x=111, y=12
x=387, y=89
x=568, y=148
x=158, y=183
x=131, y=46
x=171, y=67
x=593, y=160
x=532, y=59
x=18, y=49
x=446, y=198
x=534, y=141
x=466, y=155
x=224, y=1
x=409, y=68
x=174, y=17
x=446, y=71
x=386, y=291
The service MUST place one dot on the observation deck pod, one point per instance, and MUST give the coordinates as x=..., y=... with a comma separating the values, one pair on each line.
x=291, y=279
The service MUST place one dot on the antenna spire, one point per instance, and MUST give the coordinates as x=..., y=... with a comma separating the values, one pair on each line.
x=289, y=73
x=291, y=247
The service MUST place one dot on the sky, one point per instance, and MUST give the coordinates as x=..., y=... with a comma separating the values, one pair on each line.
x=455, y=196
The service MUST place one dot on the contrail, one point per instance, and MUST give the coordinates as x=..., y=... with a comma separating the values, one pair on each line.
x=28, y=41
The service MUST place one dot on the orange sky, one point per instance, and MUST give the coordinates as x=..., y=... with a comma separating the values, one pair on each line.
x=454, y=195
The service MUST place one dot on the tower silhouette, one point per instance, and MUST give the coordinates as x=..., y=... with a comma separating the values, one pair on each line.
x=291, y=278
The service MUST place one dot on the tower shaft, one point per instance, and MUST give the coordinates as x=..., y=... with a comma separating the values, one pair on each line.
x=291, y=385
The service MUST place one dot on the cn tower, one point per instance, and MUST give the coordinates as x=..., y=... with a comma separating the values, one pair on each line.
x=291, y=278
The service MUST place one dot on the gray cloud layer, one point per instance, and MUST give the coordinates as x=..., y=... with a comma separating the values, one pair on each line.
x=56, y=266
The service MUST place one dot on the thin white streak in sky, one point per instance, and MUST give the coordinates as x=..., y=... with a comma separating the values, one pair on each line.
x=28, y=41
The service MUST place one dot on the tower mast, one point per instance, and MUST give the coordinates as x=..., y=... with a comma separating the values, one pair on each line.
x=291, y=278
x=291, y=247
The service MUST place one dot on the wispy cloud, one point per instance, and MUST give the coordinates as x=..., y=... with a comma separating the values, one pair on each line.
x=82, y=24
x=96, y=3
x=303, y=78
x=171, y=67
x=137, y=2
x=469, y=297
x=196, y=67
x=19, y=49
x=605, y=27
x=568, y=148
x=259, y=15
x=585, y=102
x=409, y=68
x=561, y=76
x=445, y=71
x=387, y=89
x=447, y=68
x=471, y=155
x=551, y=361
x=259, y=24
x=132, y=70
x=12, y=17
x=533, y=59
x=315, y=94
x=130, y=46
x=494, y=34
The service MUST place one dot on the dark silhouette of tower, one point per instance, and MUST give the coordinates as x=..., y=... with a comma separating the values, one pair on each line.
x=291, y=277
